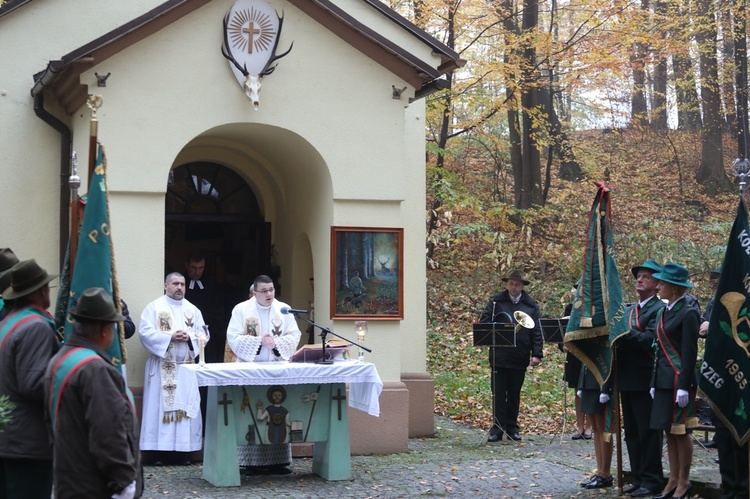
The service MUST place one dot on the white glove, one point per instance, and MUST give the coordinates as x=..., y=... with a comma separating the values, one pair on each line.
x=126, y=493
x=579, y=393
x=682, y=398
x=603, y=398
x=652, y=391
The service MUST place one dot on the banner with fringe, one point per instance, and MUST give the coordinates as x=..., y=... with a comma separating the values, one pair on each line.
x=723, y=374
x=94, y=260
x=597, y=307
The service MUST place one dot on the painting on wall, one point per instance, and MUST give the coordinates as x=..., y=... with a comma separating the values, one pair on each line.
x=367, y=274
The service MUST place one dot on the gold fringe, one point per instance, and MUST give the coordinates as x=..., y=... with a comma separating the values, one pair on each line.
x=174, y=417
x=586, y=322
x=115, y=284
x=677, y=429
x=607, y=437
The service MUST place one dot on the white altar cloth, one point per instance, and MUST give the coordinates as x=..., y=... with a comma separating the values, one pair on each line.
x=363, y=379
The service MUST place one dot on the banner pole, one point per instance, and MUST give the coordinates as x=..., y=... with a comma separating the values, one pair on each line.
x=74, y=182
x=93, y=102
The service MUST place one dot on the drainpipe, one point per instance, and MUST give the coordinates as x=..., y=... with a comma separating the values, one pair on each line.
x=43, y=80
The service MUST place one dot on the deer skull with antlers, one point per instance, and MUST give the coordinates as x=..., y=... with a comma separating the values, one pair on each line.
x=252, y=22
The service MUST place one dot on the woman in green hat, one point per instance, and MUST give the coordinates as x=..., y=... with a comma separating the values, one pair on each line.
x=674, y=380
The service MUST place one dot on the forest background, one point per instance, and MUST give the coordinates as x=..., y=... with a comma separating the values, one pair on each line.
x=649, y=96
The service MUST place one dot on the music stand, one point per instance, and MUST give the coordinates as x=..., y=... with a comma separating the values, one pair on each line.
x=553, y=330
x=494, y=335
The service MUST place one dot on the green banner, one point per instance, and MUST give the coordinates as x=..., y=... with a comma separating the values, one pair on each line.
x=94, y=263
x=723, y=374
x=597, y=308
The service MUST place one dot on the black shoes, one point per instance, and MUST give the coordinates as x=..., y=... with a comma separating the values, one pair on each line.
x=630, y=488
x=589, y=480
x=641, y=492
x=514, y=436
x=600, y=482
x=495, y=437
x=666, y=495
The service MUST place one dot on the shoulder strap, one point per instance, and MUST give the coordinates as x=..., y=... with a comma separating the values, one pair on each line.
x=19, y=317
x=63, y=369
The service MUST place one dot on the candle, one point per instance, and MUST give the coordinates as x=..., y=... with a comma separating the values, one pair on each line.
x=202, y=345
x=360, y=327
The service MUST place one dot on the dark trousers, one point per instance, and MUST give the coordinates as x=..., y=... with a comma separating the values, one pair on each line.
x=25, y=479
x=506, y=388
x=644, y=444
x=732, y=464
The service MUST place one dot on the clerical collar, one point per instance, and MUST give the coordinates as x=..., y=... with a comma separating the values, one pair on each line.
x=172, y=301
x=194, y=282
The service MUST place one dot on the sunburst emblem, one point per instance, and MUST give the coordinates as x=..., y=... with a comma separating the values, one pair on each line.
x=251, y=30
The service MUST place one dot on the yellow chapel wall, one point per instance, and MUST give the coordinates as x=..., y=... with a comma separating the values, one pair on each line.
x=169, y=89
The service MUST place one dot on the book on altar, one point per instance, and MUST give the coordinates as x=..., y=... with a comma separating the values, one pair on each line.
x=335, y=350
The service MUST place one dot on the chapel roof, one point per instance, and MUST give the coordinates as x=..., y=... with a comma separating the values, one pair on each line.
x=62, y=76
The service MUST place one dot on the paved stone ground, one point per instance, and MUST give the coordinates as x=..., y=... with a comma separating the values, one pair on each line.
x=455, y=463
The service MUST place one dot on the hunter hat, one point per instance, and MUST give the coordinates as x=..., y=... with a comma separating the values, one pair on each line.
x=7, y=259
x=95, y=304
x=648, y=265
x=25, y=278
x=516, y=275
x=674, y=273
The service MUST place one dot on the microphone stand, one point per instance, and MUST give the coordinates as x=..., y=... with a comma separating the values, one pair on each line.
x=323, y=332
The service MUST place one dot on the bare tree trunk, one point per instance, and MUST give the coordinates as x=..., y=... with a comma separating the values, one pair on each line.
x=510, y=58
x=531, y=181
x=659, y=112
x=740, y=62
x=711, y=172
x=442, y=143
x=727, y=80
x=688, y=102
x=638, y=106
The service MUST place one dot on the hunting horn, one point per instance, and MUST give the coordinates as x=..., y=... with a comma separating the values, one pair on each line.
x=523, y=320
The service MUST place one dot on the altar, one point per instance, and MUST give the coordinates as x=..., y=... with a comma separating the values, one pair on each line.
x=243, y=395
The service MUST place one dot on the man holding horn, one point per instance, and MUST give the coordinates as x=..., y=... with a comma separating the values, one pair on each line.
x=508, y=364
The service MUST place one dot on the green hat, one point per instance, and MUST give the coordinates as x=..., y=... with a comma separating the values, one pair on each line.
x=95, y=304
x=25, y=278
x=516, y=275
x=674, y=273
x=648, y=265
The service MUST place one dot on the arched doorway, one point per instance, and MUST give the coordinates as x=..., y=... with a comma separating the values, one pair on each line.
x=211, y=209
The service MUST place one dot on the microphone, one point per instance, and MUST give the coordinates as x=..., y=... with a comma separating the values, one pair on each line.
x=293, y=311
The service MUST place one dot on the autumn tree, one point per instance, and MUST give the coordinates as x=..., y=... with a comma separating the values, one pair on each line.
x=711, y=173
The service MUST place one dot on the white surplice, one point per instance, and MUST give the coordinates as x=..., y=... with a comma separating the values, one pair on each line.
x=160, y=428
x=250, y=322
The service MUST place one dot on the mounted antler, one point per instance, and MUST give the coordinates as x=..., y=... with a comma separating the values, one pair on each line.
x=251, y=85
x=267, y=69
x=228, y=53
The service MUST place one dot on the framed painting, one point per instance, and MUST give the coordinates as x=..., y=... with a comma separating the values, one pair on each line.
x=367, y=273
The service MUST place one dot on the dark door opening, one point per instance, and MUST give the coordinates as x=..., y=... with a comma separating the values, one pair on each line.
x=212, y=210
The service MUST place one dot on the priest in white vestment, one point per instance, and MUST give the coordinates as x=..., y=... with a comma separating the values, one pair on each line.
x=259, y=332
x=170, y=328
